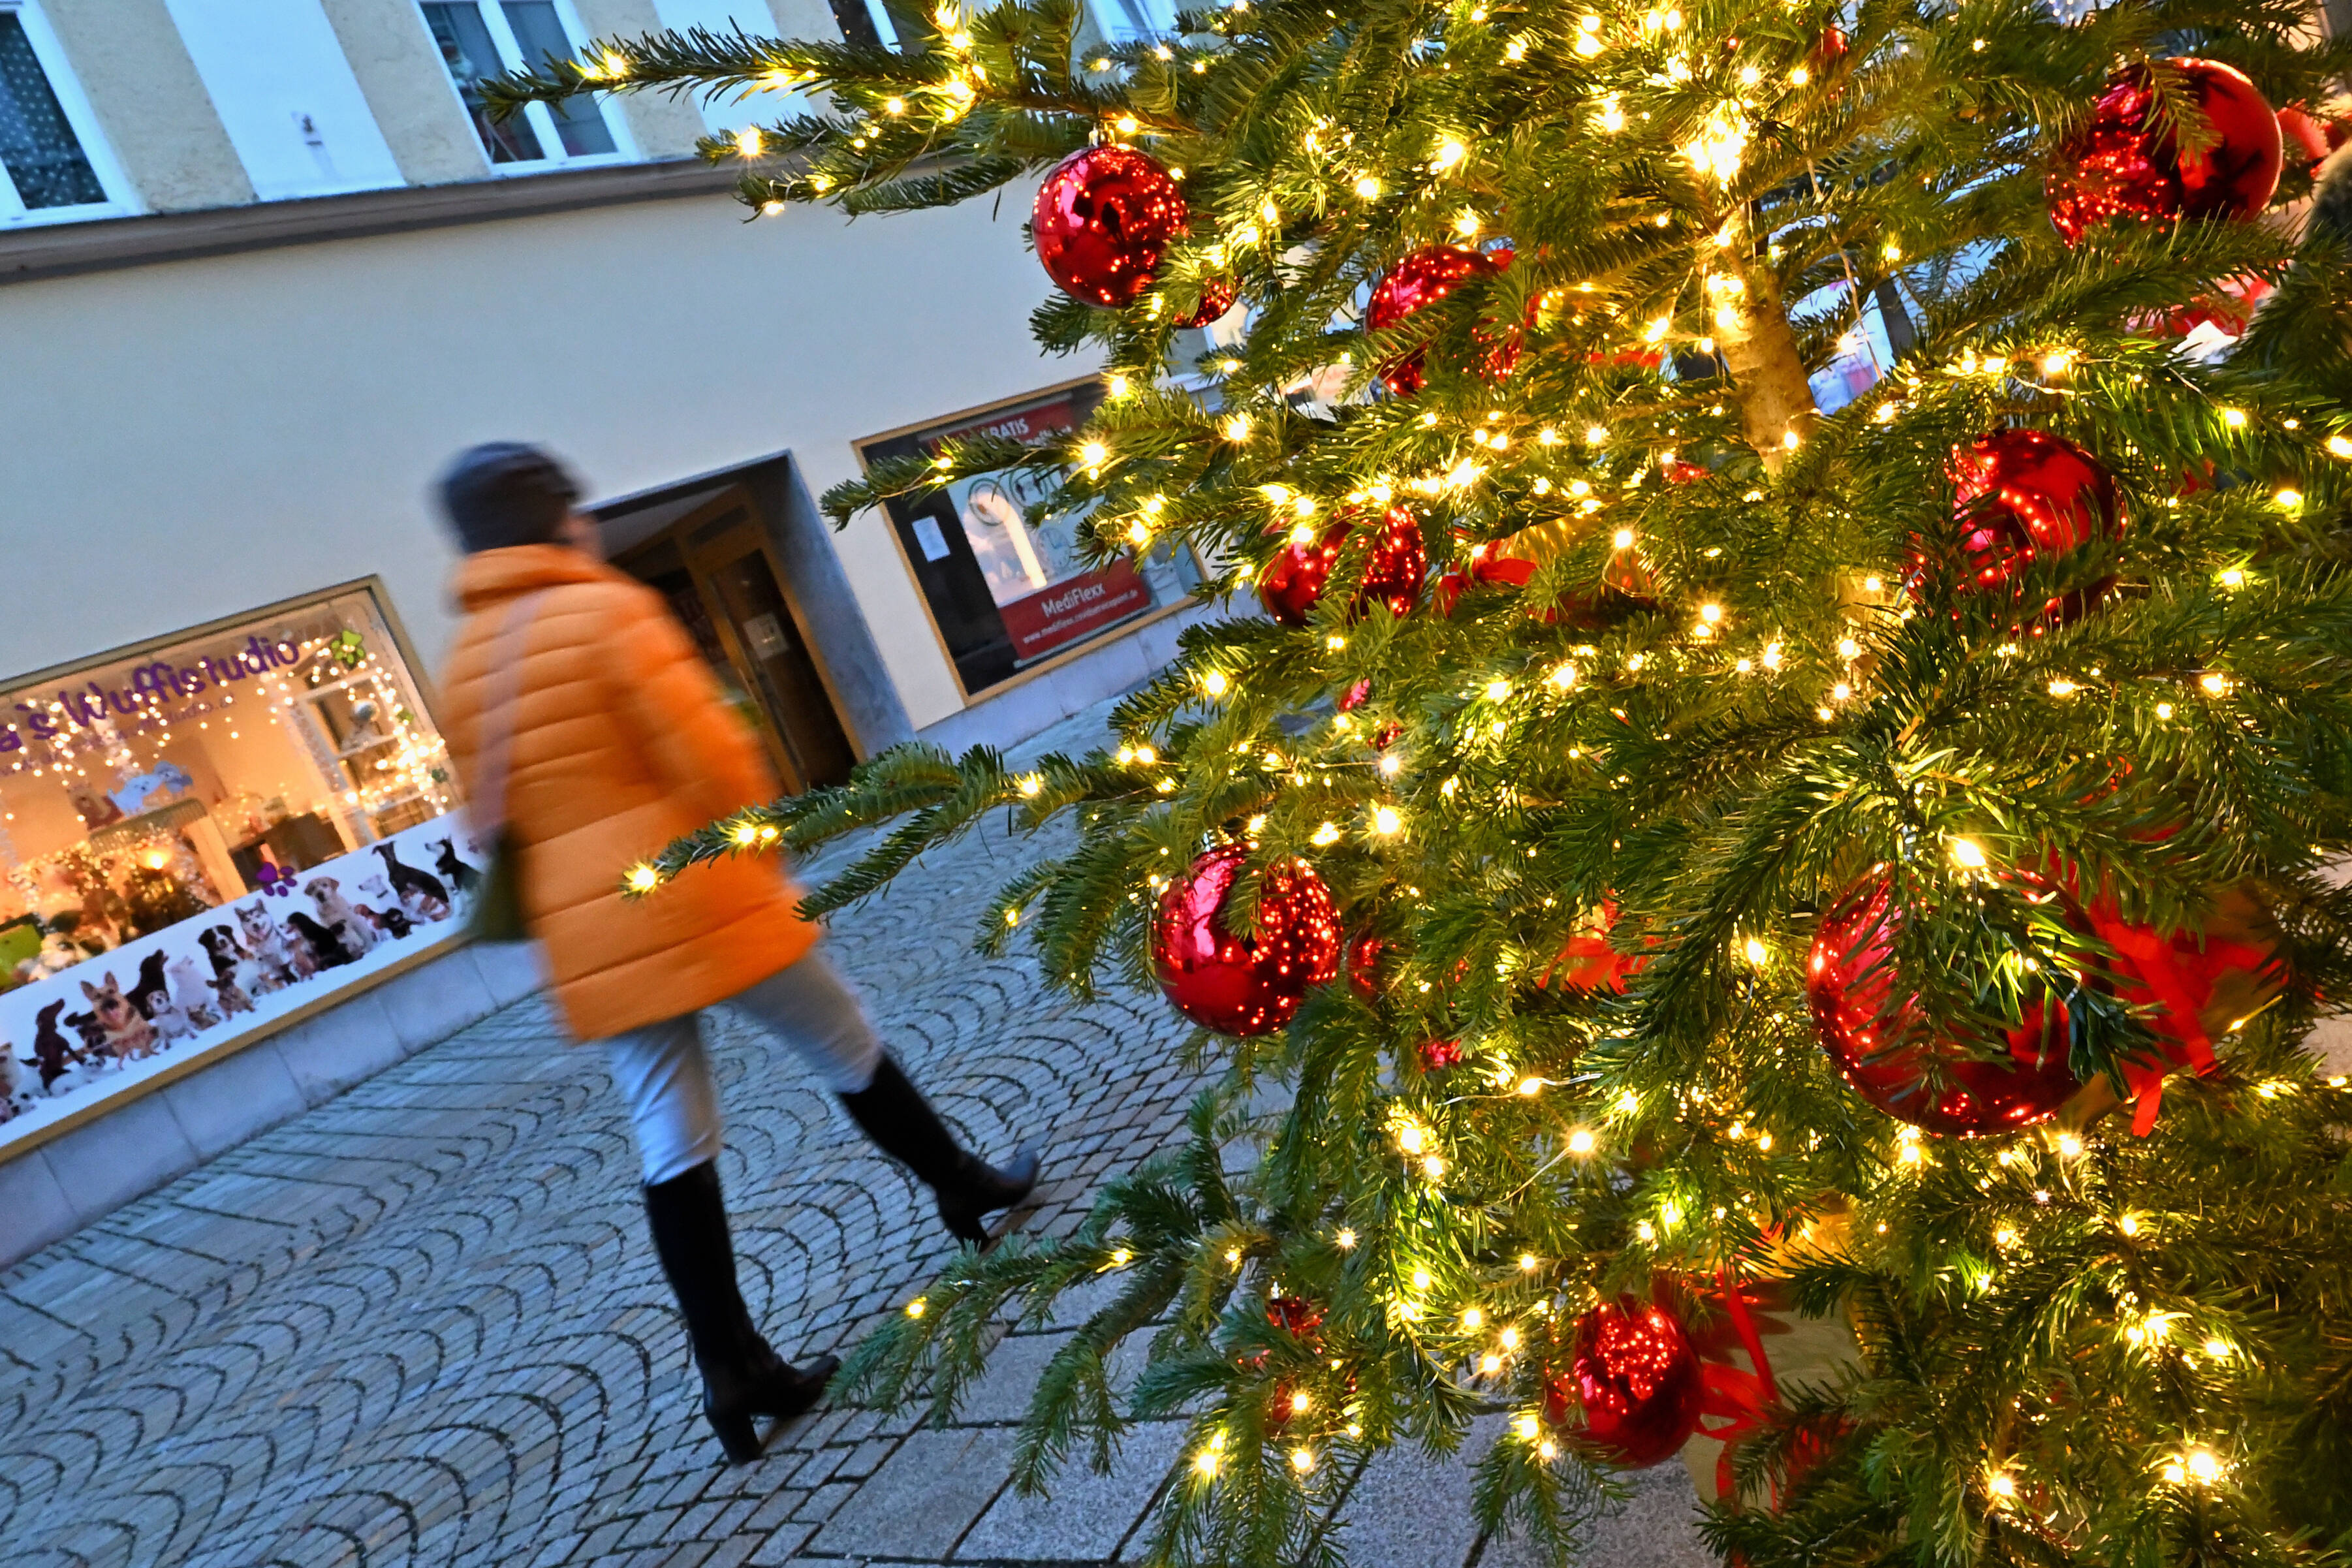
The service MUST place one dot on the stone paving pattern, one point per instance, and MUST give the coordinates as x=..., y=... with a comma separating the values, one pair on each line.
x=422, y=1324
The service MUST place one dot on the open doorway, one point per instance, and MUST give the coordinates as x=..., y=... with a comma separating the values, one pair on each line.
x=713, y=560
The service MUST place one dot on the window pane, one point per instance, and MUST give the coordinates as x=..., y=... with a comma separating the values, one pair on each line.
x=43, y=156
x=466, y=50
x=541, y=34
x=1124, y=19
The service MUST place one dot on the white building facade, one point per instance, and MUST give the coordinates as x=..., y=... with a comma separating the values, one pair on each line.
x=264, y=269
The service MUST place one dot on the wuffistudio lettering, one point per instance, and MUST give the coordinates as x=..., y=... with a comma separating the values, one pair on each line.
x=150, y=686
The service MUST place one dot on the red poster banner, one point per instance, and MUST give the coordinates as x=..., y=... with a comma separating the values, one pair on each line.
x=1073, y=608
x=1027, y=424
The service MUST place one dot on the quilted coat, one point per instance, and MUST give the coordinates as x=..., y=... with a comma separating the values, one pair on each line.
x=620, y=743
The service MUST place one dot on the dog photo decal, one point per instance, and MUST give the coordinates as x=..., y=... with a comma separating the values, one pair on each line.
x=90, y=1026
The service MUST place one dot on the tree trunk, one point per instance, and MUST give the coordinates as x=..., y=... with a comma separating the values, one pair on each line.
x=1766, y=375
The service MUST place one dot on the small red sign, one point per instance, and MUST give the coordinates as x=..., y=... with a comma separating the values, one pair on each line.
x=1074, y=607
x=1024, y=425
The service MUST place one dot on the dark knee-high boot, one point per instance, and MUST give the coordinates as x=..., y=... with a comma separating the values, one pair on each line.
x=741, y=1378
x=902, y=1123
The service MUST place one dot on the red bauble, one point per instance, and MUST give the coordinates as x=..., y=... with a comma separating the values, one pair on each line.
x=1102, y=219
x=1905, y=1063
x=1300, y=1316
x=2123, y=164
x=2024, y=496
x=1436, y=1056
x=1423, y=277
x=1399, y=562
x=1637, y=1378
x=1294, y=578
x=1217, y=296
x=2311, y=139
x=1237, y=985
x=1682, y=473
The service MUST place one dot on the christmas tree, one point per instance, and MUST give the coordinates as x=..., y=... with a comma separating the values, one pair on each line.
x=1786, y=776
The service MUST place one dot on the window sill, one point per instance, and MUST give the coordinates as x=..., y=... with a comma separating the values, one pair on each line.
x=66, y=250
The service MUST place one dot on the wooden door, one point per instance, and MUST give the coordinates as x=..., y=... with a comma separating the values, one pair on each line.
x=719, y=573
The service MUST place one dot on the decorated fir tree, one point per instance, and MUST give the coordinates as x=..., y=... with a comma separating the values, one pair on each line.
x=1786, y=776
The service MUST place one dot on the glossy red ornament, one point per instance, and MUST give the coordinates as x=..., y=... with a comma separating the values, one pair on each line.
x=1217, y=296
x=2310, y=138
x=1636, y=1377
x=1102, y=220
x=1682, y=473
x=1906, y=1064
x=1422, y=278
x=1294, y=579
x=1299, y=1316
x=1242, y=985
x=2122, y=163
x=2024, y=496
x=1436, y=1056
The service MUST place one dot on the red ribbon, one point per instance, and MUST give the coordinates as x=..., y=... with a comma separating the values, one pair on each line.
x=1736, y=1397
x=2175, y=975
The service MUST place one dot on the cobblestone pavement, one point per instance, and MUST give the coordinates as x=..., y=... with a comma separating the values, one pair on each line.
x=422, y=1324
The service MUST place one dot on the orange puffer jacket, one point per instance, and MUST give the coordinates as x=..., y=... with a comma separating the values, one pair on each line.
x=620, y=744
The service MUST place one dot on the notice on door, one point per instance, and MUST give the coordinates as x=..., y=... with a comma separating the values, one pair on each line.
x=766, y=635
x=1075, y=608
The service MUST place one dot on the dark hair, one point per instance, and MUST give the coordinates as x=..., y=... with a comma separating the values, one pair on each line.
x=504, y=493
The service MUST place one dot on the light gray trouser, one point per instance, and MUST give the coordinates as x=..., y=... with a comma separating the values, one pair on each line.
x=664, y=1073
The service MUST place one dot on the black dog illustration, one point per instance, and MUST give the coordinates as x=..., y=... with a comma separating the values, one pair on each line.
x=220, y=944
x=151, y=993
x=92, y=1033
x=326, y=945
x=427, y=896
x=450, y=864
x=50, y=1052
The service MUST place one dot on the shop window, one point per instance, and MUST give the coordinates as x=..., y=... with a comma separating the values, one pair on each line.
x=201, y=835
x=46, y=146
x=480, y=38
x=1008, y=591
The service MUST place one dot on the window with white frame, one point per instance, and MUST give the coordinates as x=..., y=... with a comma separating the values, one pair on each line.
x=480, y=38
x=286, y=95
x=729, y=113
x=49, y=156
x=1125, y=21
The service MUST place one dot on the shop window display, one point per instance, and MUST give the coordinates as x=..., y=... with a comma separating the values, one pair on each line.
x=201, y=835
x=1008, y=588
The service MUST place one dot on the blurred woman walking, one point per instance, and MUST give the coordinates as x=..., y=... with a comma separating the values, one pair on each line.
x=575, y=700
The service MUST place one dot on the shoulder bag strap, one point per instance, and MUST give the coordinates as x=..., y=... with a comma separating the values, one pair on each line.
x=485, y=813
